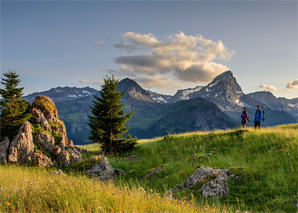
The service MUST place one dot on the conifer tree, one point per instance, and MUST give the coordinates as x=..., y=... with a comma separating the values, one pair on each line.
x=14, y=110
x=108, y=120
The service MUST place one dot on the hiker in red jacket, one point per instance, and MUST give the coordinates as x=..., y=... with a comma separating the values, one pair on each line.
x=244, y=118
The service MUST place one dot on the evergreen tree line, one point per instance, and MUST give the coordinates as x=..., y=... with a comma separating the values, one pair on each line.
x=107, y=120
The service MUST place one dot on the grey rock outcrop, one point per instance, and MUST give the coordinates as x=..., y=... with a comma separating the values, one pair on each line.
x=43, y=142
x=21, y=148
x=4, y=145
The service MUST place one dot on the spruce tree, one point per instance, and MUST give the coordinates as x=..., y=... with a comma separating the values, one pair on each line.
x=108, y=120
x=14, y=110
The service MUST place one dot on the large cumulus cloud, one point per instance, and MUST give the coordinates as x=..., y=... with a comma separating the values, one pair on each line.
x=190, y=58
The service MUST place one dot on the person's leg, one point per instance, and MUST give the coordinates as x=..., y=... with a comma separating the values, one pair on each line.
x=257, y=125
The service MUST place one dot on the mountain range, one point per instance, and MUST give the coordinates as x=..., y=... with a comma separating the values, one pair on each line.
x=217, y=105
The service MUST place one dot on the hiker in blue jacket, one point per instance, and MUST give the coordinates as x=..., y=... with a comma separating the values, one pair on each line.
x=258, y=117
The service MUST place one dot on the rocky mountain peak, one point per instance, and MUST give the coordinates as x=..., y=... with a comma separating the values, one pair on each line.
x=223, y=91
x=133, y=90
x=225, y=75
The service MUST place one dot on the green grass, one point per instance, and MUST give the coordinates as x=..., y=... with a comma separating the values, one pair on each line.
x=265, y=160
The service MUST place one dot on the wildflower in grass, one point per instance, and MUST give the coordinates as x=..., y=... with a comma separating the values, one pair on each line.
x=8, y=203
x=25, y=180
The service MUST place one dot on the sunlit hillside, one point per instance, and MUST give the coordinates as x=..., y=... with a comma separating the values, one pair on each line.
x=265, y=160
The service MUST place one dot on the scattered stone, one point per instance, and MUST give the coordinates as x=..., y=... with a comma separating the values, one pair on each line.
x=21, y=148
x=212, y=182
x=41, y=160
x=103, y=170
x=132, y=158
x=152, y=173
x=81, y=150
x=119, y=172
x=58, y=172
x=4, y=145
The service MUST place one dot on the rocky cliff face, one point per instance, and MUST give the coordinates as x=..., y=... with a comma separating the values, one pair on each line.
x=41, y=141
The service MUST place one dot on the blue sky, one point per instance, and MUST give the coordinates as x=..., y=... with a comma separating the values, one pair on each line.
x=78, y=43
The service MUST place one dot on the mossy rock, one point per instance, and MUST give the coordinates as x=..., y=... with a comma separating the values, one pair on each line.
x=54, y=125
x=45, y=104
x=57, y=137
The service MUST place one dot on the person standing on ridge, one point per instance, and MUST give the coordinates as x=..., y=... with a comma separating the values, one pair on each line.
x=244, y=118
x=258, y=117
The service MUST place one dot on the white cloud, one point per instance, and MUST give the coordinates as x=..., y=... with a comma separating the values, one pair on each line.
x=268, y=87
x=187, y=57
x=98, y=43
x=292, y=85
x=84, y=81
x=158, y=81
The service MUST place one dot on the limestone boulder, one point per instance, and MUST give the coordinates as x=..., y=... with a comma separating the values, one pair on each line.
x=63, y=159
x=103, y=170
x=41, y=160
x=21, y=148
x=215, y=188
x=45, y=142
x=202, y=175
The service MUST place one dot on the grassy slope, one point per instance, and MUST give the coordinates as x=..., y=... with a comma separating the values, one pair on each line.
x=267, y=161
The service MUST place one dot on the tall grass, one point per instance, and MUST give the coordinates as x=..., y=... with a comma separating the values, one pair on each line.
x=28, y=189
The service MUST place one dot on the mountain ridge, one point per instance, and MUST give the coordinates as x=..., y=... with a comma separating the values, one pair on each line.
x=157, y=114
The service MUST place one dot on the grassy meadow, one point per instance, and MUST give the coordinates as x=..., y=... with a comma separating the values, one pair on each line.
x=266, y=161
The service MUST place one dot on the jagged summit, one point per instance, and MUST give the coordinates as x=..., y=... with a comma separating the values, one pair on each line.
x=133, y=90
x=224, y=75
x=223, y=91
